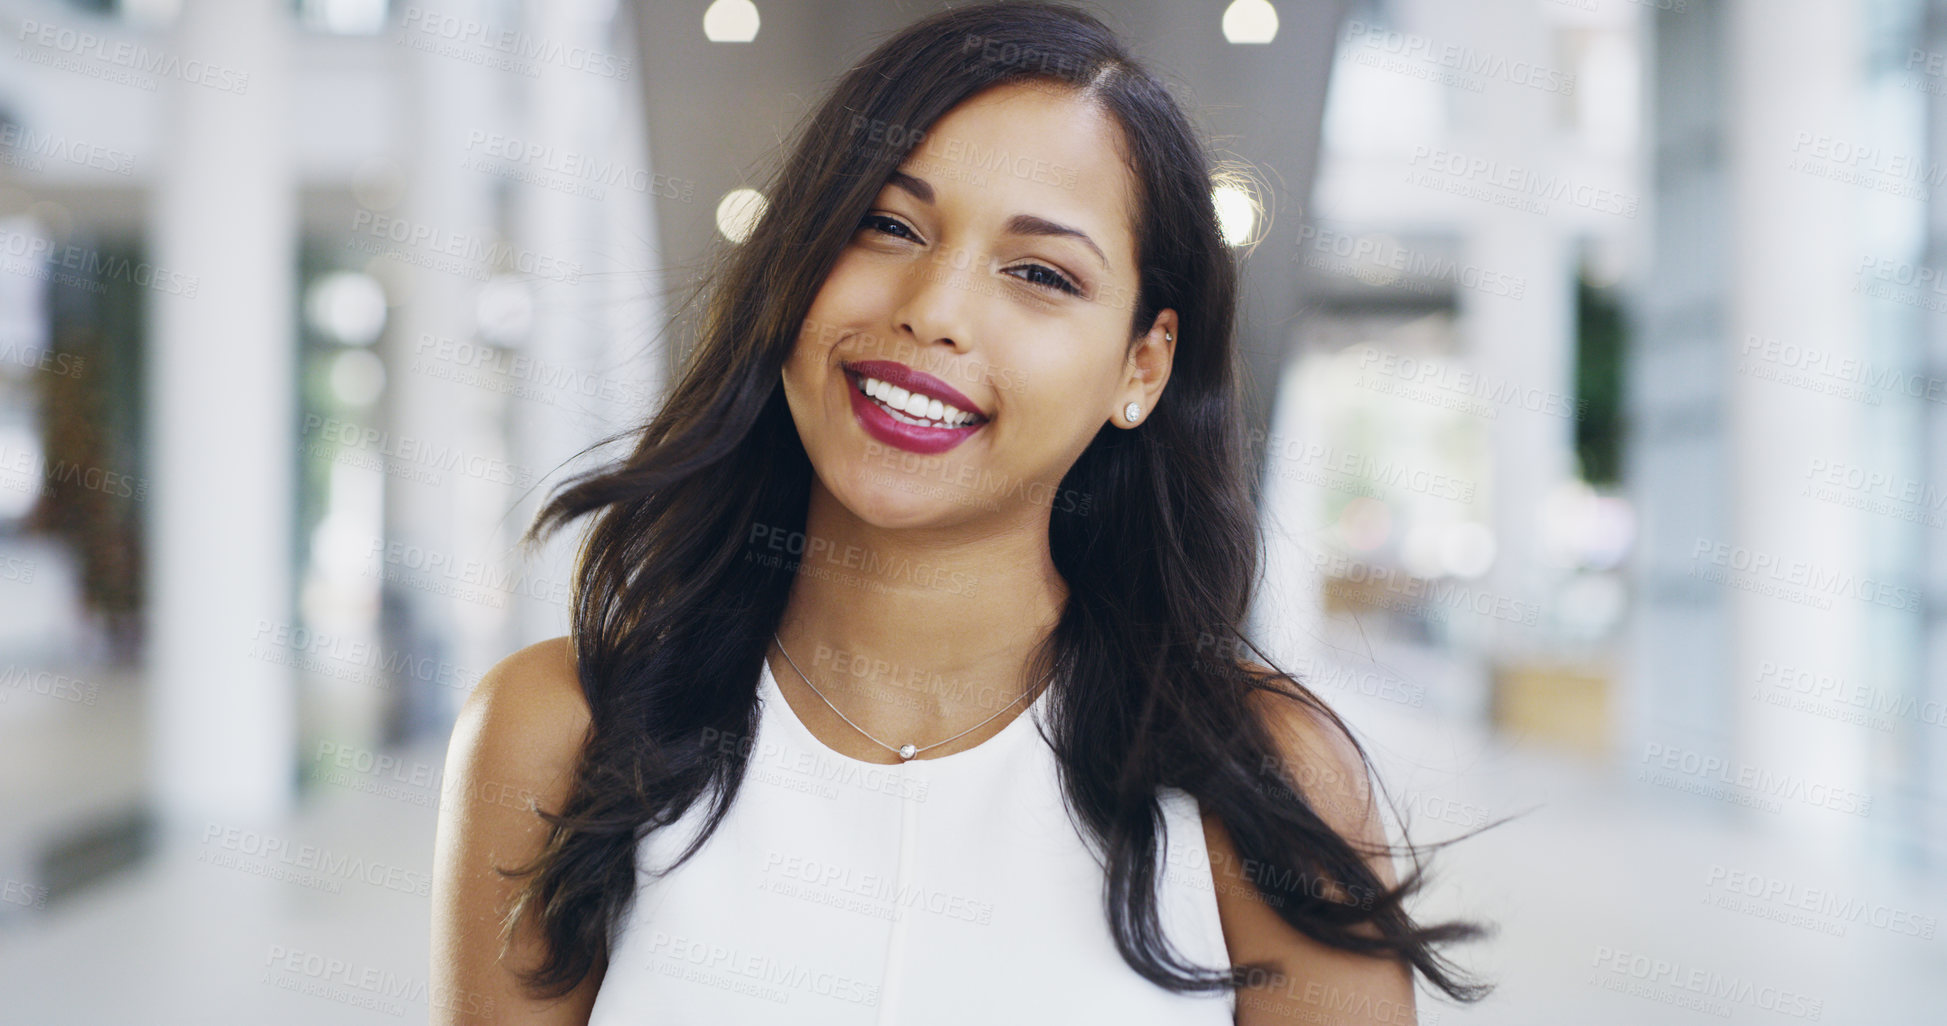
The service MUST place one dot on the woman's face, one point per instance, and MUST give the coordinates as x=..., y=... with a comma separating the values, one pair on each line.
x=995, y=272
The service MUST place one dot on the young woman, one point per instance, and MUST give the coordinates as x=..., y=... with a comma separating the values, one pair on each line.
x=907, y=682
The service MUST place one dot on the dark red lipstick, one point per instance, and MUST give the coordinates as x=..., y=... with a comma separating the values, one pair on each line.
x=879, y=420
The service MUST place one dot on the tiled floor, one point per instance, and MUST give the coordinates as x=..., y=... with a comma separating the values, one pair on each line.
x=226, y=930
x=1607, y=897
x=1619, y=903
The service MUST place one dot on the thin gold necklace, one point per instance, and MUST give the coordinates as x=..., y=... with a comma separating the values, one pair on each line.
x=905, y=751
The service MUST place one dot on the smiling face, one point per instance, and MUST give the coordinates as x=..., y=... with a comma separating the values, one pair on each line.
x=994, y=272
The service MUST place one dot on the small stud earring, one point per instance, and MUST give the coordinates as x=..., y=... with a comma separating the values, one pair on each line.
x=1130, y=412
x=1167, y=337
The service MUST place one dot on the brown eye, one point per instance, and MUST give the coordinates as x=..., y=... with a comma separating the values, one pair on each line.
x=880, y=222
x=1054, y=280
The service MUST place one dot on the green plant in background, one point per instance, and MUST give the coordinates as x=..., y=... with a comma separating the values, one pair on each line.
x=1601, y=334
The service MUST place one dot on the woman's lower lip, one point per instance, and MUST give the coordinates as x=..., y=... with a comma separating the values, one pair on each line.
x=911, y=437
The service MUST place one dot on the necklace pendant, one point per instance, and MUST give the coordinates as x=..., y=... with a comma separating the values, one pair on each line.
x=907, y=751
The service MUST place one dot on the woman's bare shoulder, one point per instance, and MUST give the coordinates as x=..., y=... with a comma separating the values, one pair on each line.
x=528, y=711
x=1314, y=756
x=1314, y=748
x=514, y=751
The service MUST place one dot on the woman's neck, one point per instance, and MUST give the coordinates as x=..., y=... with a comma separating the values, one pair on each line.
x=919, y=633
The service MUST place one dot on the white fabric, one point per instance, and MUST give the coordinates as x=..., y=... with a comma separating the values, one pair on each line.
x=935, y=892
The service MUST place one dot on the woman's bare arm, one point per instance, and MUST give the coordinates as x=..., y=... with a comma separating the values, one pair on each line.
x=514, y=745
x=1318, y=984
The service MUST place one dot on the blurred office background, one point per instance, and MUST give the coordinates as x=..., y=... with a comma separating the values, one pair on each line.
x=1599, y=354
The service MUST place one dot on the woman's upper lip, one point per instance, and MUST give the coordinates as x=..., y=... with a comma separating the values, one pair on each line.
x=916, y=381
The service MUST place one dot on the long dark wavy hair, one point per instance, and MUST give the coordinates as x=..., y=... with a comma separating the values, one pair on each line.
x=1160, y=562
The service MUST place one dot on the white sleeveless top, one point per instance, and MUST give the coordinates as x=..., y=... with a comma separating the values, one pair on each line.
x=935, y=892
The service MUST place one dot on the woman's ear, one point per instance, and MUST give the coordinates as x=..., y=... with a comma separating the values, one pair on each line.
x=1148, y=370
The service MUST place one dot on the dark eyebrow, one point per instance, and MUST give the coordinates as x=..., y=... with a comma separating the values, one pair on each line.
x=1028, y=224
x=1019, y=224
x=920, y=190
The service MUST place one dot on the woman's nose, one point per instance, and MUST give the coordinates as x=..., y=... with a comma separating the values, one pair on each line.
x=940, y=297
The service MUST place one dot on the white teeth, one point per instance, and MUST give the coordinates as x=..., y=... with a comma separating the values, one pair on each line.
x=919, y=409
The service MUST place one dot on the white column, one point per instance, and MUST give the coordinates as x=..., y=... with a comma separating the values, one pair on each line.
x=222, y=428
x=1928, y=763
x=1792, y=68
x=445, y=433
x=594, y=203
x=1524, y=350
x=1529, y=346
x=1677, y=690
